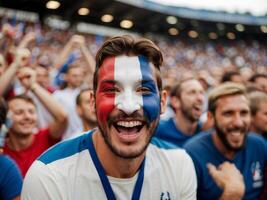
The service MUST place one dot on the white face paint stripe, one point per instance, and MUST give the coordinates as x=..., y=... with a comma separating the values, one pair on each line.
x=127, y=71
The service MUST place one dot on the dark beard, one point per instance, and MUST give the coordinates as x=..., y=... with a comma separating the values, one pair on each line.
x=223, y=139
x=187, y=114
x=116, y=151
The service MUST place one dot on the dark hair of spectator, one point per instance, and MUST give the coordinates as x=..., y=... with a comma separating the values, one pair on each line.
x=227, y=76
x=127, y=45
x=254, y=77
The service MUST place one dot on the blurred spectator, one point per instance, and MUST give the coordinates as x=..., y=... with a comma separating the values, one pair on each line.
x=85, y=110
x=229, y=162
x=258, y=106
x=10, y=177
x=260, y=80
x=187, y=99
x=75, y=72
x=232, y=76
x=67, y=98
x=24, y=143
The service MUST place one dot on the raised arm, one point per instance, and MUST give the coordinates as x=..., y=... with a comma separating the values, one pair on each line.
x=26, y=40
x=88, y=57
x=68, y=48
x=27, y=77
x=21, y=59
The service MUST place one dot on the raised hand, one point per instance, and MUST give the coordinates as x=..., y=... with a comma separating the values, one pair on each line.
x=228, y=178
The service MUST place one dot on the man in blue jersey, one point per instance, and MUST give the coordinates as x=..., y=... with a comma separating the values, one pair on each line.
x=116, y=160
x=229, y=162
x=10, y=177
x=187, y=99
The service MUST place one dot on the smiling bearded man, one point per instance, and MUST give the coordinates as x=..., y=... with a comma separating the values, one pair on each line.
x=229, y=160
x=117, y=160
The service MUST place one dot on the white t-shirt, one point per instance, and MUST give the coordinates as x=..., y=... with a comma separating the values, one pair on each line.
x=67, y=172
x=67, y=98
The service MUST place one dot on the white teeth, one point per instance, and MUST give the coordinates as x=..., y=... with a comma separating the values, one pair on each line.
x=128, y=124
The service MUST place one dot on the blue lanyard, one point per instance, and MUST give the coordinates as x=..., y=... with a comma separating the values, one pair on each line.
x=104, y=180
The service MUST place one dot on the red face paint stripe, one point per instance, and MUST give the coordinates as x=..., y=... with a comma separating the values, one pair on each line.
x=105, y=103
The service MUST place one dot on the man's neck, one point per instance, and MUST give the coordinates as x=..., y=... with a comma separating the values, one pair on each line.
x=113, y=165
x=186, y=126
x=221, y=148
x=88, y=126
x=17, y=142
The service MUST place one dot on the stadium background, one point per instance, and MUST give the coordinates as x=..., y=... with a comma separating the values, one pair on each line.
x=191, y=39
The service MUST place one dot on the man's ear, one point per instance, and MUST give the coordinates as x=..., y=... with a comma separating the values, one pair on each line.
x=175, y=102
x=209, y=123
x=92, y=101
x=210, y=116
x=163, y=101
x=78, y=110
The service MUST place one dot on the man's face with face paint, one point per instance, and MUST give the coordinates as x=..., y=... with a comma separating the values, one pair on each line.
x=128, y=104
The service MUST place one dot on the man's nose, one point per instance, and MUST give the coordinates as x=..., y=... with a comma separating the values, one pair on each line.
x=237, y=121
x=129, y=102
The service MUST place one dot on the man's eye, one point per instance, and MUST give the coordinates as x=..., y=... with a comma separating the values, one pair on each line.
x=111, y=90
x=227, y=114
x=144, y=90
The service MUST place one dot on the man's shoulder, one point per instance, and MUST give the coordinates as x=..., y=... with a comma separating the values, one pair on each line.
x=5, y=163
x=198, y=140
x=255, y=141
x=65, y=149
x=166, y=128
x=253, y=137
x=164, y=149
x=163, y=123
x=169, y=159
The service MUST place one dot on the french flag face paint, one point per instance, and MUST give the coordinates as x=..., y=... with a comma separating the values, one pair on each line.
x=128, y=84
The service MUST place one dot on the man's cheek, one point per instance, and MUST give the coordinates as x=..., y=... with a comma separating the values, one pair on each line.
x=104, y=107
x=151, y=107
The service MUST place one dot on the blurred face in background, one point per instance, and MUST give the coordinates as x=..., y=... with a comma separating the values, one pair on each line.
x=259, y=120
x=74, y=77
x=23, y=116
x=42, y=76
x=84, y=110
x=191, y=100
x=237, y=79
x=262, y=83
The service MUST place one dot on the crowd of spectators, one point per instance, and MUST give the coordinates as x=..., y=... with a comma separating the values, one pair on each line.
x=62, y=63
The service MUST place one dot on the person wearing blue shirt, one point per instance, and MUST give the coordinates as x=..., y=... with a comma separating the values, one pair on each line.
x=10, y=177
x=229, y=161
x=187, y=99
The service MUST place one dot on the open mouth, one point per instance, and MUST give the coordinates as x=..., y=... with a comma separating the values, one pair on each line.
x=198, y=108
x=129, y=127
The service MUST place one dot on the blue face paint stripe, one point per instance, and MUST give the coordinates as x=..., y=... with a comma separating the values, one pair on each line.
x=151, y=102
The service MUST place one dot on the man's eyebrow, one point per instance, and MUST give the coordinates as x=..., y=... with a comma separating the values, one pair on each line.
x=148, y=80
x=109, y=81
